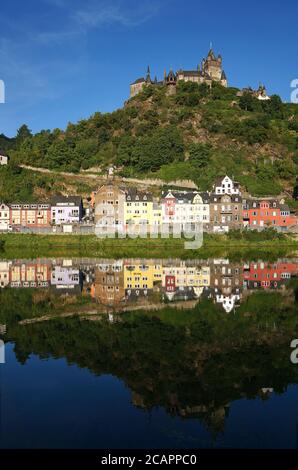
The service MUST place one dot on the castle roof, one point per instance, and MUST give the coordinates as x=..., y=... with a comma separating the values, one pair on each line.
x=171, y=76
x=139, y=80
x=191, y=73
x=223, y=75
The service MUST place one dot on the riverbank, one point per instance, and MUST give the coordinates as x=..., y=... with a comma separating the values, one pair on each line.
x=32, y=246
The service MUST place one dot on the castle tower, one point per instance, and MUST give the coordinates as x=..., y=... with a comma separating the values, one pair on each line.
x=171, y=81
x=212, y=68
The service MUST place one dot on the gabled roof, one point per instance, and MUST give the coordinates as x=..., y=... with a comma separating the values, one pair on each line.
x=185, y=196
x=3, y=153
x=133, y=195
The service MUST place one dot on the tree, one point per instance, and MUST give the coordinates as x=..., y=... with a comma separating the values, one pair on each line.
x=295, y=192
x=248, y=102
x=199, y=154
x=22, y=134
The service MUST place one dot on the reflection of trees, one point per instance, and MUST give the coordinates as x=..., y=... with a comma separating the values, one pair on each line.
x=193, y=363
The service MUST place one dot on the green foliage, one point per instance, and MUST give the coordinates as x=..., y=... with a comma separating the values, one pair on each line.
x=155, y=133
x=23, y=133
x=199, y=154
x=149, y=153
x=6, y=143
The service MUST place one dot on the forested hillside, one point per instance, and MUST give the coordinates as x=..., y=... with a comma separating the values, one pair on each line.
x=199, y=133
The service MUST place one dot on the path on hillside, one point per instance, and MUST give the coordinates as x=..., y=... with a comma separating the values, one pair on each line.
x=188, y=184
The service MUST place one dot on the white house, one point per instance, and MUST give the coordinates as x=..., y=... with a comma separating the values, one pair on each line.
x=66, y=210
x=4, y=217
x=184, y=208
x=226, y=186
x=4, y=158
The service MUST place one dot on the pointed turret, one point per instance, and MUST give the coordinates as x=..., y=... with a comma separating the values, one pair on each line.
x=148, y=78
x=211, y=54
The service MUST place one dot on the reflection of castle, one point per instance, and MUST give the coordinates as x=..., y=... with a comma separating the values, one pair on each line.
x=209, y=70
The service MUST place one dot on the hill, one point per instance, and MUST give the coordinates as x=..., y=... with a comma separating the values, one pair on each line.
x=199, y=133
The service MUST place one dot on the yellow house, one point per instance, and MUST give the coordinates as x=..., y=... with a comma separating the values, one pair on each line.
x=140, y=210
x=142, y=274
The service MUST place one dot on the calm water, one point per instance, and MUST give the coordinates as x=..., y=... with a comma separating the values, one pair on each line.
x=148, y=353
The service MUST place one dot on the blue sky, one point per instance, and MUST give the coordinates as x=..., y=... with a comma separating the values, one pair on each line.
x=62, y=60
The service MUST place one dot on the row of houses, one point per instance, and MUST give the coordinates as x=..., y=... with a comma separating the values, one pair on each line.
x=114, y=284
x=222, y=209
x=114, y=208
x=61, y=210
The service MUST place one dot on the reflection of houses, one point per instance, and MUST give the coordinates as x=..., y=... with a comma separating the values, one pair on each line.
x=108, y=287
x=227, y=283
x=4, y=273
x=184, y=281
x=66, y=278
x=30, y=274
x=264, y=275
x=141, y=277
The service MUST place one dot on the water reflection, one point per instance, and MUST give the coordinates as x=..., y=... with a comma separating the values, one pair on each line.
x=194, y=338
x=118, y=284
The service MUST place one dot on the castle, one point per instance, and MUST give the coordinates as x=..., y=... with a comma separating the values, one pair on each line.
x=210, y=70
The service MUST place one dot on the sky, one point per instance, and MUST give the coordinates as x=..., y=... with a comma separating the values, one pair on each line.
x=63, y=60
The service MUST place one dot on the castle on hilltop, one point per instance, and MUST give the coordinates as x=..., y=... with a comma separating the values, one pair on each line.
x=210, y=70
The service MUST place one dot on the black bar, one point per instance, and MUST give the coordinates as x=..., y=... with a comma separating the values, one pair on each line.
x=204, y=458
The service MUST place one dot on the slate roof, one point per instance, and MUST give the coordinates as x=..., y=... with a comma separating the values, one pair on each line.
x=76, y=200
x=133, y=195
x=139, y=80
x=216, y=198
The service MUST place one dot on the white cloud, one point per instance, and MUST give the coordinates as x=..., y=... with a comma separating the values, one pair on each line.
x=99, y=14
